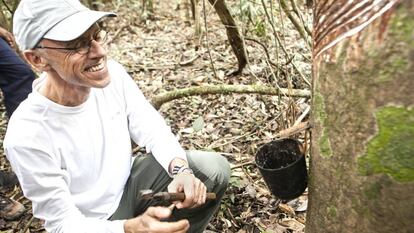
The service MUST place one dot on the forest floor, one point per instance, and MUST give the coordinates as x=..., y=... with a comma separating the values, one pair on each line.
x=162, y=54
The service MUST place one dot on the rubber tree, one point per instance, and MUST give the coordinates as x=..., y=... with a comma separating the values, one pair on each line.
x=362, y=163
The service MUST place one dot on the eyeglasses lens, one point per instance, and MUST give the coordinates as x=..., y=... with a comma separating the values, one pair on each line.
x=84, y=47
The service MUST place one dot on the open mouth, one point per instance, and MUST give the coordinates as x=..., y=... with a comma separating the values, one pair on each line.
x=97, y=67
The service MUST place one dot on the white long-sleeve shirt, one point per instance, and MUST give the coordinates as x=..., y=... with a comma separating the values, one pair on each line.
x=73, y=162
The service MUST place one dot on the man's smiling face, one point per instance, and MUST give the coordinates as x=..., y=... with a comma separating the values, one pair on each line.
x=86, y=70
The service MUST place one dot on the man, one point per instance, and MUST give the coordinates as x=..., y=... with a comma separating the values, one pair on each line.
x=16, y=79
x=69, y=142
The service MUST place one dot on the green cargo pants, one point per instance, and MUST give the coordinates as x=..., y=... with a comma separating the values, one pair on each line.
x=146, y=173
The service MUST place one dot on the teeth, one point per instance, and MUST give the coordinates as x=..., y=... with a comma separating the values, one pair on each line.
x=100, y=66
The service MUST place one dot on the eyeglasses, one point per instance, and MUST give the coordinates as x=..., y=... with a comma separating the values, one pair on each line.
x=82, y=47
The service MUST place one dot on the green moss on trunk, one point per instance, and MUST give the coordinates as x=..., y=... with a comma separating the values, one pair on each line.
x=391, y=151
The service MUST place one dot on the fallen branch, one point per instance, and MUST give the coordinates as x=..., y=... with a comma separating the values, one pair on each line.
x=159, y=100
x=188, y=62
x=138, y=67
x=293, y=130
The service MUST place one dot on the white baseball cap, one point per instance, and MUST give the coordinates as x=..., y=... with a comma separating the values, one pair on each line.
x=61, y=20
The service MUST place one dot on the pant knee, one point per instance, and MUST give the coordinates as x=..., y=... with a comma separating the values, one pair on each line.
x=223, y=170
x=213, y=166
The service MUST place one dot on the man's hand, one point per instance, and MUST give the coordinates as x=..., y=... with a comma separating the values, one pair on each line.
x=195, y=191
x=7, y=36
x=150, y=221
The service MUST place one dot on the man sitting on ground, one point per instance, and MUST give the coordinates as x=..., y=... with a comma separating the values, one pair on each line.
x=69, y=142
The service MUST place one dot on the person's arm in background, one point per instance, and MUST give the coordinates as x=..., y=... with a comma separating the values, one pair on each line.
x=7, y=36
x=16, y=76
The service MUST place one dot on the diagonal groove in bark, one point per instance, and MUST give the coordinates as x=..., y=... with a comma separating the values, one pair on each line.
x=336, y=20
x=341, y=18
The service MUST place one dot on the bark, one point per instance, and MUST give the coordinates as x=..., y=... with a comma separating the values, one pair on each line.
x=362, y=163
x=159, y=100
x=232, y=31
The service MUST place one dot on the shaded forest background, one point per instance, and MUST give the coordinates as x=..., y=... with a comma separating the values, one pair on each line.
x=163, y=50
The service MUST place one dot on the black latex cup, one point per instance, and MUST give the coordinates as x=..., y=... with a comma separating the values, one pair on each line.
x=283, y=168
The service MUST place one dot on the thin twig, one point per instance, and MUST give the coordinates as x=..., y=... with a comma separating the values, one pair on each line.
x=154, y=67
x=264, y=48
x=231, y=140
x=207, y=40
x=27, y=225
x=299, y=14
x=274, y=29
x=302, y=116
x=297, y=25
x=300, y=74
x=275, y=79
x=232, y=217
x=117, y=33
x=251, y=162
x=190, y=61
x=7, y=6
x=281, y=45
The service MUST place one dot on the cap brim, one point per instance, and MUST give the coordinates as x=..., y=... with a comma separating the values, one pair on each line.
x=75, y=25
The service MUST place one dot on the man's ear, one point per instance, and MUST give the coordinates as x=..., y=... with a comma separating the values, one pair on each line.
x=36, y=60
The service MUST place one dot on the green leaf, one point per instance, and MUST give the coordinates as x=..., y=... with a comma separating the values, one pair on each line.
x=198, y=124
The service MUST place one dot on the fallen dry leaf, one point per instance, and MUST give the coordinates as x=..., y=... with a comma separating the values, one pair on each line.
x=287, y=209
x=292, y=224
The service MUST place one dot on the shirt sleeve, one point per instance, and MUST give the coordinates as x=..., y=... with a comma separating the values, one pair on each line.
x=146, y=126
x=45, y=184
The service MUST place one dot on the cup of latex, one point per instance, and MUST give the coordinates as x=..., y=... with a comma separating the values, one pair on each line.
x=283, y=167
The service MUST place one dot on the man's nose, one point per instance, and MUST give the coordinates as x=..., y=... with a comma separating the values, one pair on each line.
x=96, y=50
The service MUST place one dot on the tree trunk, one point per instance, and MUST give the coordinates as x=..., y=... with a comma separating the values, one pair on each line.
x=233, y=33
x=362, y=164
